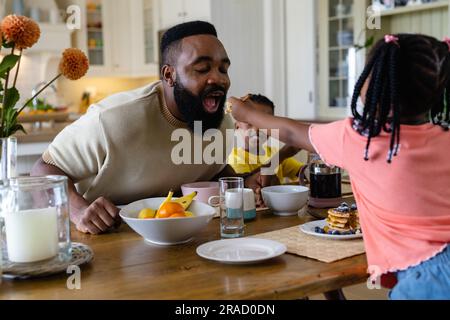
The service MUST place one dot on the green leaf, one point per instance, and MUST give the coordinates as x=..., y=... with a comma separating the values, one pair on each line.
x=11, y=97
x=14, y=128
x=369, y=42
x=10, y=116
x=8, y=63
x=7, y=45
x=19, y=127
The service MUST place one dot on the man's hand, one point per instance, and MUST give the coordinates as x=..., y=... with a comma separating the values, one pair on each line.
x=257, y=182
x=266, y=181
x=98, y=217
x=254, y=182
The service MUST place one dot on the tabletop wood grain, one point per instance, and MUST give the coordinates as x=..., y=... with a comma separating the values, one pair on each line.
x=125, y=267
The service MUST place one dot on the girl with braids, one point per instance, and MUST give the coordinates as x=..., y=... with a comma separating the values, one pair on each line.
x=396, y=150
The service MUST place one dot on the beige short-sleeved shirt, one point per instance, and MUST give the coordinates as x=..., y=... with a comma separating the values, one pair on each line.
x=122, y=149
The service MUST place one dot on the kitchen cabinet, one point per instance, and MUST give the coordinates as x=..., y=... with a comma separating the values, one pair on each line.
x=119, y=36
x=342, y=26
x=321, y=64
x=427, y=18
x=173, y=12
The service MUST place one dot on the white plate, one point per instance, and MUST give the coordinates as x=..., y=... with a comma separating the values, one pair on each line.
x=241, y=251
x=309, y=228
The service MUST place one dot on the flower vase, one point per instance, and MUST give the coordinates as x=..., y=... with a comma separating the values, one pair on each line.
x=8, y=159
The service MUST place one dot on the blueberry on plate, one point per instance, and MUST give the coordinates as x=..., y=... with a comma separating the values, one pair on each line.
x=317, y=229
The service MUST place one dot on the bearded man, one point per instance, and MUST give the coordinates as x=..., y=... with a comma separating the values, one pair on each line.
x=121, y=150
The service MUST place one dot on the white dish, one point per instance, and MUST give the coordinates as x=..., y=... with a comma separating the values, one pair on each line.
x=285, y=200
x=171, y=231
x=241, y=251
x=309, y=228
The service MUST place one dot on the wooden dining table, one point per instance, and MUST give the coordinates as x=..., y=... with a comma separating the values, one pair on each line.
x=126, y=267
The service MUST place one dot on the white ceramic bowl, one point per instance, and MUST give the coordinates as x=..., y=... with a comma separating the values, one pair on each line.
x=285, y=200
x=171, y=231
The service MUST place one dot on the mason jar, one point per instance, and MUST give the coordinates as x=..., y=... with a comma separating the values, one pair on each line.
x=35, y=219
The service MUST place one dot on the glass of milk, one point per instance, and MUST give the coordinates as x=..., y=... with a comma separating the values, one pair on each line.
x=35, y=217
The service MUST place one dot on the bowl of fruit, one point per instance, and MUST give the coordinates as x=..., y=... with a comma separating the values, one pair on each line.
x=168, y=221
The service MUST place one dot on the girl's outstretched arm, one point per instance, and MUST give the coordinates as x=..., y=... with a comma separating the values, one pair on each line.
x=291, y=132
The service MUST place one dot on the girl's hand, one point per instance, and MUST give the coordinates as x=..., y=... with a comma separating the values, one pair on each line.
x=240, y=108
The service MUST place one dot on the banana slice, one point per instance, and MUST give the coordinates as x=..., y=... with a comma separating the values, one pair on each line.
x=186, y=200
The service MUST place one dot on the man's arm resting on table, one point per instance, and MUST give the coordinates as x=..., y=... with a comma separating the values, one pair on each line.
x=96, y=217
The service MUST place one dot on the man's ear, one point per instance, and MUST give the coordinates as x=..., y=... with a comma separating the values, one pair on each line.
x=169, y=75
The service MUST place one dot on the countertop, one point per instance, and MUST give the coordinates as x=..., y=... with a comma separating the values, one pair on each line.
x=46, y=133
x=42, y=134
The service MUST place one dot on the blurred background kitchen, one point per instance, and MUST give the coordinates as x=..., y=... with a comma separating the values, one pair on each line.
x=304, y=54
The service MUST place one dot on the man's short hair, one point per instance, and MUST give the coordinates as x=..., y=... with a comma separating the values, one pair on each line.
x=172, y=38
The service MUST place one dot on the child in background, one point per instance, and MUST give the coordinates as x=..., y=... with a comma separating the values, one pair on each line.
x=257, y=152
x=397, y=154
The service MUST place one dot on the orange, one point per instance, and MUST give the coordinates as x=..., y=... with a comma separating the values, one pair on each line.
x=169, y=209
x=178, y=215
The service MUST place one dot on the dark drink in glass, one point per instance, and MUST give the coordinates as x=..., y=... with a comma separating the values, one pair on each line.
x=325, y=186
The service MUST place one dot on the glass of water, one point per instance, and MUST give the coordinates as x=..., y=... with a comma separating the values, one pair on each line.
x=231, y=204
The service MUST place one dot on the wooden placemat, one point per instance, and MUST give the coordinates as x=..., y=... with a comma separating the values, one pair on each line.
x=316, y=248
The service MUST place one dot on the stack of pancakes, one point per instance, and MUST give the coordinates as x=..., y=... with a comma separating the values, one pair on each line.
x=345, y=218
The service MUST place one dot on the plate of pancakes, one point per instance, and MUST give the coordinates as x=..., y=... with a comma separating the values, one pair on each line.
x=342, y=223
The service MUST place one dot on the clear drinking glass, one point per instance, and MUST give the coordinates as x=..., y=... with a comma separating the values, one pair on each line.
x=35, y=219
x=231, y=203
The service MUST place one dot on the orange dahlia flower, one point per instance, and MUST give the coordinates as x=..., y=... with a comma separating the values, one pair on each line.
x=74, y=64
x=21, y=31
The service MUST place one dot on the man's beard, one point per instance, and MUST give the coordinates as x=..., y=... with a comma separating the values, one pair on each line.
x=192, y=110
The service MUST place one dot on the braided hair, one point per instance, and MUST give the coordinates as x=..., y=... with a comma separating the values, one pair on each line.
x=408, y=75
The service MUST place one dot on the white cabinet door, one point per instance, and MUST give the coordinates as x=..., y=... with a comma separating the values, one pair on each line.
x=144, y=38
x=301, y=59
x=197, y=10
x=150, y=29
x=97, y=39
x=171, y=12
x=342, y=25
x=121, y=32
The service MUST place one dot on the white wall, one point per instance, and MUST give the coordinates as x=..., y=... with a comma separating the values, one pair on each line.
x=240, y=26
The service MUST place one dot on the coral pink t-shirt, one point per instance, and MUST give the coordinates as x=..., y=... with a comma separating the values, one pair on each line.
x=404, y=206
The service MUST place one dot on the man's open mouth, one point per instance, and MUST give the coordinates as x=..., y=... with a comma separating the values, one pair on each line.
x=211, y=102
